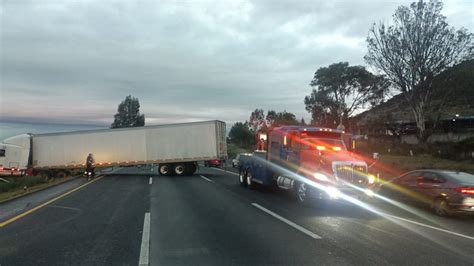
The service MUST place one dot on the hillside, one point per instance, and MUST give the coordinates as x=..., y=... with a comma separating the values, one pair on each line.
x=459, y=78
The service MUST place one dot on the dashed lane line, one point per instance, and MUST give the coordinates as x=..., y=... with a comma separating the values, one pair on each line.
x=205, y=178
x=230, y=172
x=288, y=222
x=145, y=246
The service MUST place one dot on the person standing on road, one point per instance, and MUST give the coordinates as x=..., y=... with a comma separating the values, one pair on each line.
x=90, y=165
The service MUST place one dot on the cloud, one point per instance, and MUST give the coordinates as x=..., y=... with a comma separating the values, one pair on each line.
x=74, y=61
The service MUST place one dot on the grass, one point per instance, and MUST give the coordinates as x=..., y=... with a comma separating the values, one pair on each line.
x=20, y=185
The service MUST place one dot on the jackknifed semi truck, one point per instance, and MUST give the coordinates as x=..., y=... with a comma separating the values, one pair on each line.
x=176, y=148
x=312, y=162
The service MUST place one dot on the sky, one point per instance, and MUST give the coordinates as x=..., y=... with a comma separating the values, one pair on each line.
x=73, y=62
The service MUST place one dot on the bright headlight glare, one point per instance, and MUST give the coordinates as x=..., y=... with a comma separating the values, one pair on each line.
x=320, y=177
x=371, y=179
x=333, y=192
x=369, y=192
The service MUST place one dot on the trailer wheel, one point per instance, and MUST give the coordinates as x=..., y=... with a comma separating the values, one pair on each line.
x=164, y=169
x=62, y=174
x=249, y=179
x=179, y=169
x=194, y=168
x=242, y=178
x=190, y=168
x=43, y=174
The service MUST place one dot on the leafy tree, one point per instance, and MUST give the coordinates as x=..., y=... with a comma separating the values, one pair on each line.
x=241, y=135
x=339, y=90
x=271, y=117
x=257, y=120
x=418, y=46
x=281, y=118
x=128, y=114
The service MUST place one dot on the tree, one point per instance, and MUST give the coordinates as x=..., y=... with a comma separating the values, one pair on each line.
x=418, y=46
x=339, y=90
x=241, y=135
x=257, y=120
x=275, y=119
x=271, y=117
x=128, y=114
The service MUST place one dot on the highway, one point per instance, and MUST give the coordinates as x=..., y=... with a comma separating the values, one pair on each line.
x=135, y=217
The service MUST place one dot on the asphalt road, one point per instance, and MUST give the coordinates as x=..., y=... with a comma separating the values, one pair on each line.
x=208, y=219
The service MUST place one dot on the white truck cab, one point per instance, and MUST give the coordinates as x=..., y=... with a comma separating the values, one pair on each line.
x=14, y=154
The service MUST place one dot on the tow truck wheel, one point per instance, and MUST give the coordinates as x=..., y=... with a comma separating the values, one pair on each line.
x=249, y=180
x=242, y=178
x=302, y=193
x=164, y=169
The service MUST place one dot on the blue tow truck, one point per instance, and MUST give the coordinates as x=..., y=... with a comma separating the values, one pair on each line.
x=312, y=162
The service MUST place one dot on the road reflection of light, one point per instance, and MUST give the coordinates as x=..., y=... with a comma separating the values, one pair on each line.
x=366, y=206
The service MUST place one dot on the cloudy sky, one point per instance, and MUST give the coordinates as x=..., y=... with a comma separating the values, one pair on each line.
x=74, y=61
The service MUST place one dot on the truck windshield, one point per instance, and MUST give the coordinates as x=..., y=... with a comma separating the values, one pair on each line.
x=323, y=143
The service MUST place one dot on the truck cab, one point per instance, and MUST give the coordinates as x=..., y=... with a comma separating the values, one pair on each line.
x=14, y=155
x=311, y=161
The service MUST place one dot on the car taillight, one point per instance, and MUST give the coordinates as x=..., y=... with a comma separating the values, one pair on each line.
x=466, y=190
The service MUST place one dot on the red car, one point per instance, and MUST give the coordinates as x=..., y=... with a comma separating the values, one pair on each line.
x=212, y=163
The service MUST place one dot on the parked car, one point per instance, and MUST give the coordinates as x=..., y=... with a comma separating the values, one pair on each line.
x=212, y=163
x=446, y=192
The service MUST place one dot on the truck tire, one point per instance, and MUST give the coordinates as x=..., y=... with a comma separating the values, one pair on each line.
x=62, y=174
x=249, y=179
x=242, y=178
x=179, y=169
x=190, y=168
x=164, y=169
x=302, y=192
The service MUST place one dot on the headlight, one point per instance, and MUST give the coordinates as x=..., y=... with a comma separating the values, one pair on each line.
x=371, y=179
x=320, y=177
x=369, y=192
x=333, y=192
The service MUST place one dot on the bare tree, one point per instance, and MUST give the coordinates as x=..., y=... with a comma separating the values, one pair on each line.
x=418, y=46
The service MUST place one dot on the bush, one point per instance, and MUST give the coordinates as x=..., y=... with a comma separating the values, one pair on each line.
x=233, y=150
x=20, y=182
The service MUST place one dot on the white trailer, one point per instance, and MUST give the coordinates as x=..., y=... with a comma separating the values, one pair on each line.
x=175, y=147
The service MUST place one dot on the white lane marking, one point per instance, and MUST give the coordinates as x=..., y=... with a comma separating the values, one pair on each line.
x=230, y=172
x=151, y=181
x=205, y=178
x=288, y=222
x=429, y=226
x=145, y=247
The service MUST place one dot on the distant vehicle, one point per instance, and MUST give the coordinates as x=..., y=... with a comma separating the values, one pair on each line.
x=212, y=163
x=446, y=192
x=312, y=162
x=174, y=147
